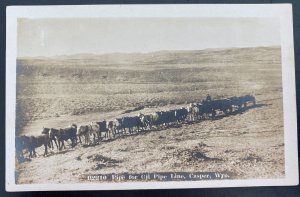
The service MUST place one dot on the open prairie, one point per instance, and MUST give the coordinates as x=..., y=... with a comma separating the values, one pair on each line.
x=58, y=91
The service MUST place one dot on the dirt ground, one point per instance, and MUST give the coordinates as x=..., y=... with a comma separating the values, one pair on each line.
x=245, y=145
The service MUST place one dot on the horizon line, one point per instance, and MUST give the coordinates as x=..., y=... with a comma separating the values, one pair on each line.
x=148, y=52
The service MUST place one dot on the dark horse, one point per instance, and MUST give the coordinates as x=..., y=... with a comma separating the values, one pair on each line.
x=64, y=135
x=51, y=137
x=37, y=141
x=31, y=143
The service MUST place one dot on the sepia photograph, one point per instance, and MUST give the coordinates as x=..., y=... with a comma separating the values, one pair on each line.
x=148, y=100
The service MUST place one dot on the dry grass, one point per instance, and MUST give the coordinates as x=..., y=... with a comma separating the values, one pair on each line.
x=55, y=93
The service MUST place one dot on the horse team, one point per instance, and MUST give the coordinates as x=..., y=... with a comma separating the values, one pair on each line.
x=206, y=109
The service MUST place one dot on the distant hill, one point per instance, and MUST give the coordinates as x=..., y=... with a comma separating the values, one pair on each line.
x=163, y=57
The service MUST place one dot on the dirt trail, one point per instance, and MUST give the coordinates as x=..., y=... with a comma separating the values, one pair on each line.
x=246, y=145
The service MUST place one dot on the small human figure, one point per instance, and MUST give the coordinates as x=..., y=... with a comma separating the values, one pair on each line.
x=208, y=97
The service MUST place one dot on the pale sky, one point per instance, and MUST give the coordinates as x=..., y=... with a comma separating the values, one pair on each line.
x=49, y=37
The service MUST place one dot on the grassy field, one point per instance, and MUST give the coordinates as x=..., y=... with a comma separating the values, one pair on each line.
x=58, y=91
x=60, y=86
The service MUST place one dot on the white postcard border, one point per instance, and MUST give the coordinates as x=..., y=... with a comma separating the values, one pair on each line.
x=282, y=11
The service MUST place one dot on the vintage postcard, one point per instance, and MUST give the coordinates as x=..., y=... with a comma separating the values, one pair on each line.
x=109, y=97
